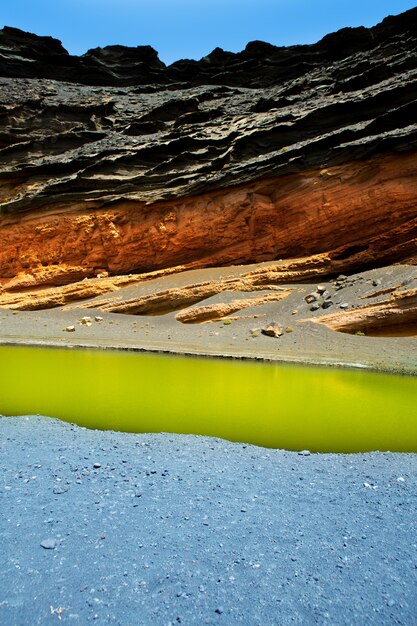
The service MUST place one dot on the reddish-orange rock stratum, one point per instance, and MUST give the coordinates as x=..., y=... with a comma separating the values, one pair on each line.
x=352, y=208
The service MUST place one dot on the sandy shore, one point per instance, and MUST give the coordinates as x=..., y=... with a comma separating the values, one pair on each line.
x=241, y=337
x=126, y=529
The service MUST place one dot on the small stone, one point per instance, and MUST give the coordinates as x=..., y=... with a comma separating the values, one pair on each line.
x=272, y=330
x=312, y=297
x=294, y=312
x=97, y=465
x=49, y=544
x=321, y=288
x=315, y=307
x=377, y=282
x=289, y=329
x=98, y=318
x=344, y=305
x=326, y=304
x=342, y=277
x=69, y=329
x=219, y=610
x=85, y=321
x=304, y=453
x=60, y=489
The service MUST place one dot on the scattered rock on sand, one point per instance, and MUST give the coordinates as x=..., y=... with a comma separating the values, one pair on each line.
x=326, y=304
x=49, y=544
x=312, y=297
x=70, y=329
x=273, y=329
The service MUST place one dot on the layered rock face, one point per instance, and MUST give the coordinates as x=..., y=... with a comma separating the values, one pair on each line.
x=113, y=162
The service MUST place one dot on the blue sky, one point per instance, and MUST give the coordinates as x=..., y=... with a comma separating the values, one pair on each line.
x=191, y=28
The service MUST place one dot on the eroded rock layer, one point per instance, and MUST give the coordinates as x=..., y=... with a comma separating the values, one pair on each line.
x=396, y=315
x=113, y=162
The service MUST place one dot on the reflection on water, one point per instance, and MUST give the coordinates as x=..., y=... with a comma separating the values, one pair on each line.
x=262, y=403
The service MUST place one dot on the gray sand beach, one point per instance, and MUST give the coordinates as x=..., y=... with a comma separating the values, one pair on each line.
x=128, y=529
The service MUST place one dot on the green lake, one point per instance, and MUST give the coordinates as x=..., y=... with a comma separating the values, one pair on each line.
x=268, y=404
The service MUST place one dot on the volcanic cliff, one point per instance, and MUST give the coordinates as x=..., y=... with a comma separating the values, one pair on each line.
x=113, y=163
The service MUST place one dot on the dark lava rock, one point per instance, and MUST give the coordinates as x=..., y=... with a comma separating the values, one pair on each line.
x=117, y=123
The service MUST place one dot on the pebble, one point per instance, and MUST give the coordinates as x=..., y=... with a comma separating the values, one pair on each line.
x=49, y=544
x=304, y=453
x=97, y=465
x=321, y=288
x=344, y=305
x=70, y=329
x=326, y=304
x=315, y=307
x=58, y=490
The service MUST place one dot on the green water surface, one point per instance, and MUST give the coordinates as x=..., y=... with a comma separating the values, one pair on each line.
x=319, y=409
